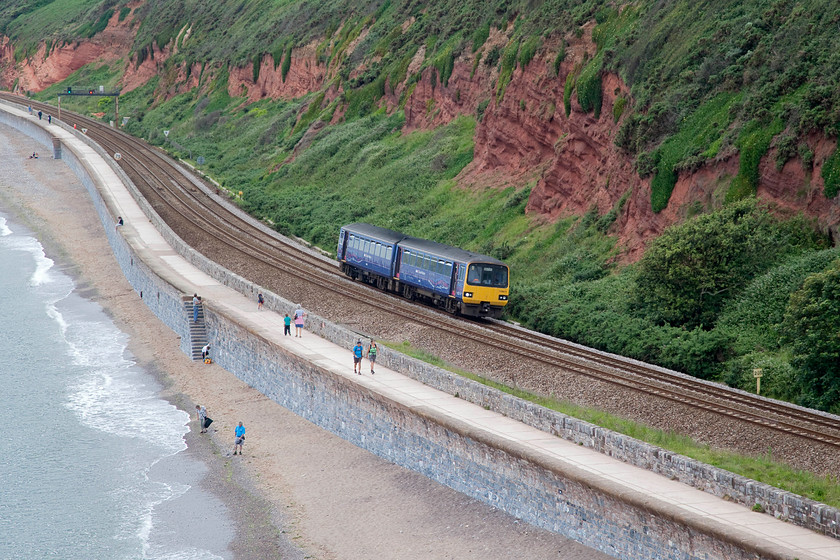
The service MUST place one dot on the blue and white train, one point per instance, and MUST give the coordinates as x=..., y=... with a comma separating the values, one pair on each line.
x=461, y=282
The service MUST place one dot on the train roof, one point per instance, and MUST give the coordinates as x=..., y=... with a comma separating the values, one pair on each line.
x=376, y=232
x=432, y=247
x=446, y=251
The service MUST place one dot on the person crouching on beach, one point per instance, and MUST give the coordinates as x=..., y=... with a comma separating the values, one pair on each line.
x=240, y=438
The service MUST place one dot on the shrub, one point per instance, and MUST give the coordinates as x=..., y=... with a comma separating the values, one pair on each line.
x=754, y=142
x=811, y=324
x=480, y=36
x=479, y=111
x=509, y=57
x=571, y=80
x=689, y=272
x=493, y=56
x=256, y=67
x=831, y=173
x=287, y=63
x=589, y=90
x=785, y=150
x=558, y=60
x=618, y=108
x=528, y=51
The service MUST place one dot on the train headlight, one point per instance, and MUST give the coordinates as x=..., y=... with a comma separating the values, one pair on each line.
x=468, y=294
x=502, y=297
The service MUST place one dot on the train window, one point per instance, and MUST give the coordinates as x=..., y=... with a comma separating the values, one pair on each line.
x=367, y=246
x=407, y=257
x=380, y=251
x=492, y=275
x=427, y=263
x=389, y=253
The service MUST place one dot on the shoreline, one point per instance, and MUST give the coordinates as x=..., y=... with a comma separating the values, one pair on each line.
x=298, y=491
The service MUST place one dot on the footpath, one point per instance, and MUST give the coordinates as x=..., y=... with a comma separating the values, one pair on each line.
x=609, y=505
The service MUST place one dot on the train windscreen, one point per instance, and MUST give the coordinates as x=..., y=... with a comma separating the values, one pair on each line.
x=492, y=275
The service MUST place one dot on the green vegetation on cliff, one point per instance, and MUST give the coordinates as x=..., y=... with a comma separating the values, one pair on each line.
x=706, y=81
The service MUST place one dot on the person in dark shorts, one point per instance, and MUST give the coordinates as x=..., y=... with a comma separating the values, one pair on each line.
x=239, y=434
x=371, y=353
x=358, y=350
x=260, y=301
x=299, y=316
x=287, y=325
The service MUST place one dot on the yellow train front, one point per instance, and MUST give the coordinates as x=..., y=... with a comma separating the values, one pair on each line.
x=485, y=289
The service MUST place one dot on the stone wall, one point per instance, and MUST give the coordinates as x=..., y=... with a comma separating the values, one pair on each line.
x=497, y=472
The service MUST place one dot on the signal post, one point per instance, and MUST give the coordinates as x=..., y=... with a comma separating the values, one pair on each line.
x=90, y=92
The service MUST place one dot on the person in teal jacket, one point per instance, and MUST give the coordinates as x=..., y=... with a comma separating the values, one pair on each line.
x=358, y=350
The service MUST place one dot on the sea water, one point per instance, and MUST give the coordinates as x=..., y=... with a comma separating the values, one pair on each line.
x=91, y=459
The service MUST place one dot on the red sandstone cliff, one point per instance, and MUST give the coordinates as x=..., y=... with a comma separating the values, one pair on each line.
x=524, y=138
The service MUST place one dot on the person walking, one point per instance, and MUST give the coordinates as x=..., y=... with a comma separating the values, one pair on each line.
x=371, y=353
x=287, y=325
x=299, y=315
x=49, y=119
x=201, y=413
x=239, y=441
x=358, y=350
x=40, y=114
x=260, y=301
x=195, y=308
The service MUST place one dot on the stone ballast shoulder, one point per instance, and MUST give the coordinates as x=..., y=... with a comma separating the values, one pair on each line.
x=165, y=301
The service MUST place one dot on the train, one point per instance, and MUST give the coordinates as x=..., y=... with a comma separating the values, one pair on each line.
x=458, y=281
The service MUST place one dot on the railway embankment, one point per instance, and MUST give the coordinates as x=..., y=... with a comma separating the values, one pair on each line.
x=498, y=471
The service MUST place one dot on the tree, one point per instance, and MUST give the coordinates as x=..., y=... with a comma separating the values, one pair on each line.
x=812, y=327
x=689, y=272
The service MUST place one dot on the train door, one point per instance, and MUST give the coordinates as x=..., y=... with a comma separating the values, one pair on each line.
x=459, y=279
x=397, y=262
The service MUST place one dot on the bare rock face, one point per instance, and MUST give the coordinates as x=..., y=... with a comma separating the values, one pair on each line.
x=523, y=135
x=46, y=68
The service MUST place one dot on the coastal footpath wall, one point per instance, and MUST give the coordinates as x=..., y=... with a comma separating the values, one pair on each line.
x=612, y=520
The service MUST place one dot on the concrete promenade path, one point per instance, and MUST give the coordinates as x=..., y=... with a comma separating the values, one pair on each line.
x=695, y=506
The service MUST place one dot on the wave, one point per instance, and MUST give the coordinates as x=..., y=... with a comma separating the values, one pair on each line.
x=108, y=392
x=4, y=229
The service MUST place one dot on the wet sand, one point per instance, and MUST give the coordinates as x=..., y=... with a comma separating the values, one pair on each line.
x=298, y=491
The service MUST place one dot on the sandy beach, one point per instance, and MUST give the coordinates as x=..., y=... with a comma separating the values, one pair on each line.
x=297, y=491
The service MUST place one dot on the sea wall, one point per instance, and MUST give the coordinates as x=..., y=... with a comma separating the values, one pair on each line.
x=610, y=519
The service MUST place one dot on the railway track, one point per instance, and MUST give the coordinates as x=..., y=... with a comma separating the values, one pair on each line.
x=200, y=218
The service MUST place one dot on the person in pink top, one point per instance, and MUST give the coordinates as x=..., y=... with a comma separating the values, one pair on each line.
x=299, y=316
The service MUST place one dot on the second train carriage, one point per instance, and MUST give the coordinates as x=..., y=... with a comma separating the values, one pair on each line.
x=459, y=281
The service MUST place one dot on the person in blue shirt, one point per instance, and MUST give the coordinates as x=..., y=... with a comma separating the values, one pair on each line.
x=358, y=350
x=240, y=438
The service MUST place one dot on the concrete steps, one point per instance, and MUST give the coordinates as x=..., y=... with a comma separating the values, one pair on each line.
x=198, y=330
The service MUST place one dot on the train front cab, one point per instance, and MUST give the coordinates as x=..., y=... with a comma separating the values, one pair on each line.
x=485, y=288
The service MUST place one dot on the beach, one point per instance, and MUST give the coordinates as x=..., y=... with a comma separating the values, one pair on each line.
x=297, y=491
